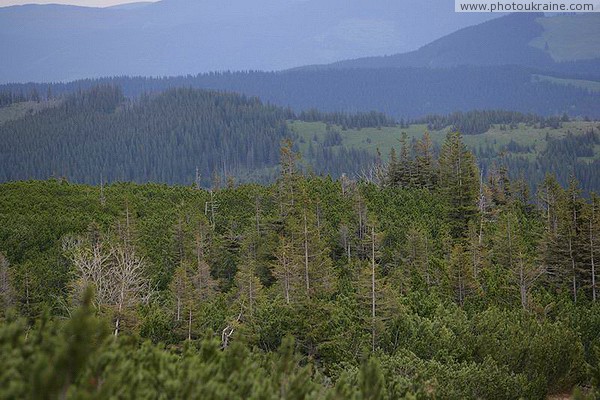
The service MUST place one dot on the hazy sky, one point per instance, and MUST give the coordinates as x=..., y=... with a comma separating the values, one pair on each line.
x=89, y=3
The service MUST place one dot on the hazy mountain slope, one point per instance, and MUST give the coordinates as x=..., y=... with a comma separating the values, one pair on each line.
x=173, y=37
x=530, y=40
x=570, y=37
x=399, y=92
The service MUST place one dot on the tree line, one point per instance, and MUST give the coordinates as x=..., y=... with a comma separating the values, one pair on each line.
x=480, y=121
x=563, y=157
x=346, y=120
x=407, y=93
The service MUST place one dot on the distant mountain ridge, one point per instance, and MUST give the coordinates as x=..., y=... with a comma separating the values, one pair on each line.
x=568, y=43
x=520, y=62
x=46, y=43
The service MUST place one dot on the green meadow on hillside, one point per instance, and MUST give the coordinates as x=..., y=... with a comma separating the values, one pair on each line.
x=570, y=37
x=497, y=137
x=19, y=110
x=592, y=86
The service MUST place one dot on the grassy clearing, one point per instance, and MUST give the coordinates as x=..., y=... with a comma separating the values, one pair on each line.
x=20, y=110
x=592, y=86
x=384, y=139
x=570, y=37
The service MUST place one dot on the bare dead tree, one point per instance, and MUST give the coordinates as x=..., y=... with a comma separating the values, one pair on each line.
x=306, y=256
x=210, y=208
x=593, y=248
x=92, y=266
x=6, y=292
x=114, y=271
x=228, y=331
x=373, y=174
x=345, y=240
x=128, y=281
x=198, y=179
x=373, y=286
x=202, y=279
x=526, y=278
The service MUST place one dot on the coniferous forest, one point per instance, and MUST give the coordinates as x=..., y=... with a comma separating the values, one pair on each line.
x=398, y=92
x=433, y=281
x=299, y=200
x=184, y=136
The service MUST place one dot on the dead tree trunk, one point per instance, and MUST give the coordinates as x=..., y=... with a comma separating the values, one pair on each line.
x=373, y=287
x=306, y=276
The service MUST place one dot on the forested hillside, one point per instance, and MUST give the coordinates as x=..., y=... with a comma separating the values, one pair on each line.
x=180, y=136
x=190, y=136
x=565, y=43
x=174, y=137
x=425, y=283
x=398, y=92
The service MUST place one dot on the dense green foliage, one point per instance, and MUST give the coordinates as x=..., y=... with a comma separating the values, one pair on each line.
x=179, y=136
x=422, y=282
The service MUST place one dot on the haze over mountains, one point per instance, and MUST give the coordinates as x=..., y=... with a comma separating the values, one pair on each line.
x=558, y=43
x=174, y=37
x=522, y=62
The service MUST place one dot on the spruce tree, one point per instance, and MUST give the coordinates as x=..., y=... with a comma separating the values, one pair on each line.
x=459, y=183
x=426, y=171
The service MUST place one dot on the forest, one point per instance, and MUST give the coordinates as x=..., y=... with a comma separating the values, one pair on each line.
x=184, y=136
x=179, y=136
x=407, y=93
x=477, y=121
x=433, y=281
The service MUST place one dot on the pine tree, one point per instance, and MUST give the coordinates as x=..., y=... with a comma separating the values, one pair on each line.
x=249, y=287
x=405, y=164
x=426, y=171
x=372, y=287
x=549, y=197
x=286, y=269
x=459, y=182
x=393, y=170
x=416, y=257
x=460, y=270
x=315, y=253
x=182, y=289
x=572, y=231
x=515, y=255
x=372, y=381
x=204, y=284
x=289, y=179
